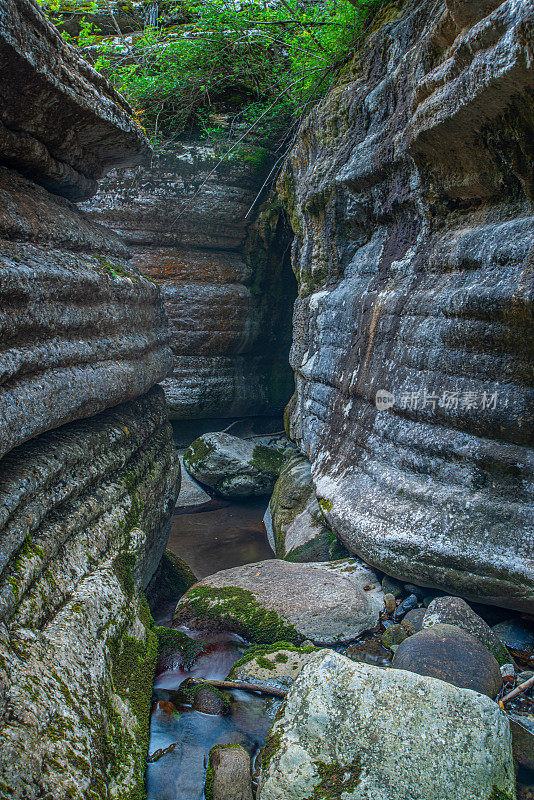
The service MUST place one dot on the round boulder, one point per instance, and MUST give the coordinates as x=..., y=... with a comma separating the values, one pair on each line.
x=271, y=601
x=237, y=468
x=452, y=655
x=455, y=611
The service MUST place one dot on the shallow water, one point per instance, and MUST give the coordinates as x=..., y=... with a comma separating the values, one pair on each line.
x=180, y=774
x=225, y=537
x=209, y=540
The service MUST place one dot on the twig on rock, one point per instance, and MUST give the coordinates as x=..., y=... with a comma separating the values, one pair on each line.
x=244, y=687
x=518, y=690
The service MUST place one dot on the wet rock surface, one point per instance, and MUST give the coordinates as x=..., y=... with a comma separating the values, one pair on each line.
x=412, y=213
x=281, y=601
x=235, y=467
x=226, y=283
x=450, y=654
x=338, y=722
x=228, y=776
x=295, y=525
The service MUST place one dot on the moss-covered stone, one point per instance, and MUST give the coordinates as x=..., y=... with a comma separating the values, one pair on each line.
x=240, y=609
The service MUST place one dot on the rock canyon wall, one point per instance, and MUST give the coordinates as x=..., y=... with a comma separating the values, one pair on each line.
x=225, y=276
x=410, y=192
x=88, y=470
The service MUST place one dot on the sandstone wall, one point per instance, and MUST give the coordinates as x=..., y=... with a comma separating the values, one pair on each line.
x=225, y=278
x=410, y=190
x=88, y=470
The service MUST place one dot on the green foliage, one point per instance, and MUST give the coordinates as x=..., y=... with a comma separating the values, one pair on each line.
x=264, y=61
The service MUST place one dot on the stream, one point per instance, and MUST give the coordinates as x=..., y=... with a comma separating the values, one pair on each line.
x=215, y=538
x=211, y=535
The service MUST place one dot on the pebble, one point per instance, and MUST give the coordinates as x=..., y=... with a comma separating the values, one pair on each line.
x=508, y=673
x=394, y=635
x=390, y=602
x=414, y=619
x=406, y=605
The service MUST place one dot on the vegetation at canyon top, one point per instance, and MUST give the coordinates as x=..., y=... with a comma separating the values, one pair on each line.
x=267, y=61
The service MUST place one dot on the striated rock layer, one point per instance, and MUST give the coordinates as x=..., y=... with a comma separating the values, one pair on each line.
x=83, y=524
x=410, y=190
x=225, y=278
x=88, y=470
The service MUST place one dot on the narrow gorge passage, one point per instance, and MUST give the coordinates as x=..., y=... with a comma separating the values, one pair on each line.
x=266, y=400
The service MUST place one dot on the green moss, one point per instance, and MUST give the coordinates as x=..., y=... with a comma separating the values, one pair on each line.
x=241, y=608
x=197, y=453
x=123, y=566
x=264, y=663
x=272, y=743
x=260, y=651
x=336, y=780
x=116, y=270
x=267, y=459
x=324, y=504
x=498, y=794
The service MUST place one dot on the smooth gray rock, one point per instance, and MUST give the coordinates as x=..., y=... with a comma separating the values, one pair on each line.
x=414, y=226
x=455, y=611
x=276, y=600
x=225, y=276
x=236, y=467
x=453, y=655
x=295, y=524
x=353, y=730
x=229, y=773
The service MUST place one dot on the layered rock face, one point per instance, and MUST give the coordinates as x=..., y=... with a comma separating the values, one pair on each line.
x=225, y=278
x=410, y=190
x=88, y=471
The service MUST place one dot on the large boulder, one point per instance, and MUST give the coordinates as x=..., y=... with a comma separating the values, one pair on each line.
x=455, y=611
x=278, y=600
x=295, y=524
x=412, y=212
x=353, y=730
x=450, y=654
x=235, y=467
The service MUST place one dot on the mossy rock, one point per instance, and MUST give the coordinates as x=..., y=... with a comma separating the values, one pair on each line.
x=295, y=524
x=277, y=600
x=237, y=468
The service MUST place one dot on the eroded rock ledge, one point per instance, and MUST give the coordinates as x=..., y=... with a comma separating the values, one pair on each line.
x=225, y=277
x=410, y=190
x=88, y=471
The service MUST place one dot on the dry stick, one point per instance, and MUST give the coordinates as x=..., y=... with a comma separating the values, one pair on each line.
x=518, y=690
x=244, y=687
x=162, y=752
